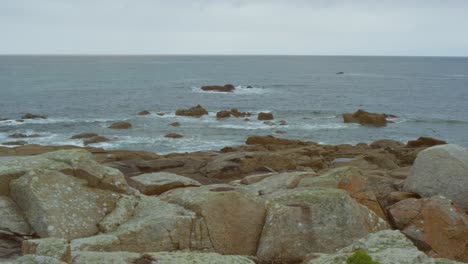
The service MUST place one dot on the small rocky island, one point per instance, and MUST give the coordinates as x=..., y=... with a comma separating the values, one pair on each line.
x=272, y=200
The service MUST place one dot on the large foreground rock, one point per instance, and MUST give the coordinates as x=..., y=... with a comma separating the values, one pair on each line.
x=301, y=221
x=386, y=247
x=234, y=218
x=441, y=170
x=149, y=226
x=159, y=182
x=159, y=258
x=59, y=205
x=433, y=224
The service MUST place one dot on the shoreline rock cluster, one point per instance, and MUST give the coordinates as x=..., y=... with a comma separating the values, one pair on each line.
x=272, y=200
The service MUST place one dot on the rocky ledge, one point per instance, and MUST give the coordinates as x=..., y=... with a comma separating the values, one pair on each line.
x=271, y=200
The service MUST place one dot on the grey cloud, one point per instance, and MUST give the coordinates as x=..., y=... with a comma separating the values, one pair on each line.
x=358, y=27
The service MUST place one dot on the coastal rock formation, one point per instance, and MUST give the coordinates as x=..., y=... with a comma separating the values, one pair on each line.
x=425, y=142
x=95, y=140
x=218, y=88
x=318, y=220
x=441, y=170
x=84, y=135
x=145, y=112
x=270, y=140
x=196, y=111
x=226, y=211
x=233, y=112
x=21, y=135
x=33, y=116
x=387, y=246
x=174, y=135
x=366, y=118
x=264, y=116
x=160, y=182
x=121, y=125
x=433, y=224
x=57, y=248
x=158, y=257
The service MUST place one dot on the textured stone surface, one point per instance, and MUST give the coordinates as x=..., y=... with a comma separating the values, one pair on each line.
x=441, y=170
x=12, y=219
x=386, y=247
x=159, y=182
x=57, y=248
x=433, y=224
x=322, y=220
x=234, y=218
x=59, y=205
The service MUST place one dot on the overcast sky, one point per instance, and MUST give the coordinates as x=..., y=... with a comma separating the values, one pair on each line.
x=321, y=27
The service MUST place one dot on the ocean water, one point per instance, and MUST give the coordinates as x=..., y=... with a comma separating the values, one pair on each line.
x=88, y=93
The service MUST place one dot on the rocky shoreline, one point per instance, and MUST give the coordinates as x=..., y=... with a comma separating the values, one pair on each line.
x=271, y=200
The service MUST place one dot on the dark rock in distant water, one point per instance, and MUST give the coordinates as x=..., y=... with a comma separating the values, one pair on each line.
x=33, y=116
x=233, y=112
x=265, y=116
x=196, y=111
x=144, y=113
x=175, y=124
x=121, y=125
x=94, y=140
x=366, y=118
x=218, y=88
x=339, y=73
x=84, y=135
x=15, y=143
x=160, y=113
x=173, y=135
x=21, y=135
x=425, y=142
x=280, y=132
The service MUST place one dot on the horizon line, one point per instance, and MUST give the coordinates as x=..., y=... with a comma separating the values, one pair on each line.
x=231, y=55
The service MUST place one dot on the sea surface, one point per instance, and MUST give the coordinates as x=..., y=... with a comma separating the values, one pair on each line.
x=88, y=93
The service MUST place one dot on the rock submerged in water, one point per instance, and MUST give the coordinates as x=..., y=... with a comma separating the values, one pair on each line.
x=366, y=118
x=174, y=135
x=145, y=112
x=15, y=143
x=121, y=125
x=21, y=135
x=265, y=116
x=95, y=140
x=219, y=88
x=233, y=112
x=33, y=116
x=84, y=135
x=196, y=111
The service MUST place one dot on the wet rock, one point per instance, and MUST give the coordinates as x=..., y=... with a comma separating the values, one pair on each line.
x=33, y=116
x=21, y=135
x=441, y=170
x=196, y=111
x=121, y=125
x=270, y=140
x=15, y=143
x=265, y=116
x=218, y=88
x=425, y=142
x=160, y=113
x=318, y=220
x=84, y=135
x=366, y=118
x=433, y=224
x=387, y=246
x=175, y=124
x=145, y=112
x=233, y=112
x=281, y=132
x=95, y=140
x=174, y=135
x=223, y=114
x=160, y=182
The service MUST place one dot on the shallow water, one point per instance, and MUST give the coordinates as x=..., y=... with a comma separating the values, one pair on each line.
x=88, y=93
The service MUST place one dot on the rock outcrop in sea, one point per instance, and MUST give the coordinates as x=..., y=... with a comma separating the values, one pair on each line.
x=366, y=118
x=271, y=200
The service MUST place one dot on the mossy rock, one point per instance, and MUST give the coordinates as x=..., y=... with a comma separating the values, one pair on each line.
x=360, y=257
